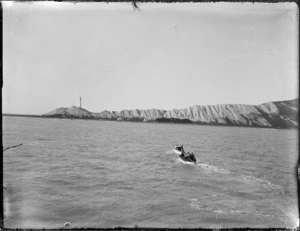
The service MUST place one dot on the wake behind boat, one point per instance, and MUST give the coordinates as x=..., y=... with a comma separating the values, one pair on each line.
x=185, y=156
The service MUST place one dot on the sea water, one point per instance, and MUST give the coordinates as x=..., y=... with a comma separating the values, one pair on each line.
x=108, y=174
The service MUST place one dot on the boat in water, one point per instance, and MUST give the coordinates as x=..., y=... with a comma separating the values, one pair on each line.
x=185, y=156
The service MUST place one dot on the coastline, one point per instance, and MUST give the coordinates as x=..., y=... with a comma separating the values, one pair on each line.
x=157, y=121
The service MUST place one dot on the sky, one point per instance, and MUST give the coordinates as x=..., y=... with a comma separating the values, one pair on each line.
x=164, y=55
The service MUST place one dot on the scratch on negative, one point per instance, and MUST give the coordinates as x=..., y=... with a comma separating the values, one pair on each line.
x=248, y=54
x=101, y=217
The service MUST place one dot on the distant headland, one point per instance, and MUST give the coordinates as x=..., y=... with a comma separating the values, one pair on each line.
x=279, y=114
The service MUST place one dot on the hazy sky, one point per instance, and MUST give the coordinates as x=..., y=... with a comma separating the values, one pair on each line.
x=164, y=56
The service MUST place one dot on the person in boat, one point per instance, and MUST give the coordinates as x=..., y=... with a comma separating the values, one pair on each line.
x=183, y=153
x=188, y=156
x=180, y=148
x=192, y=156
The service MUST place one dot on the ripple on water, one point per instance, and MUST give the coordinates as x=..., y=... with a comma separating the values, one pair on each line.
x=101, y=173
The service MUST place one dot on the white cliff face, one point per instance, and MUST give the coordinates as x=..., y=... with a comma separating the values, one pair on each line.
x=283, y=114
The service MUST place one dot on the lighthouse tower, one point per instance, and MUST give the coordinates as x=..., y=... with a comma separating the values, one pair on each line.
x=80, y=102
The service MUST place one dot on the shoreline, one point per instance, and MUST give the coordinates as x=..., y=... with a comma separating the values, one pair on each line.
x=159, y=121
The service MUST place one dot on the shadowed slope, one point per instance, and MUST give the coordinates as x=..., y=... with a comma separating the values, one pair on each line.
x=72, y=112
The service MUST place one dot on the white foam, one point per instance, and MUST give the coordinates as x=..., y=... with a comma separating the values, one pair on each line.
x=170, y=151
x=185, y=162
x=197, y=205
x=213, y=168
x=264, y=183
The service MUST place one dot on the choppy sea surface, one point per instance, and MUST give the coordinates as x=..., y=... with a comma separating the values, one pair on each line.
x=107, y=174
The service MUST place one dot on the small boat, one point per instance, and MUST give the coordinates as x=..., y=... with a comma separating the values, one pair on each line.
x=189, y=157
x=185, y=156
